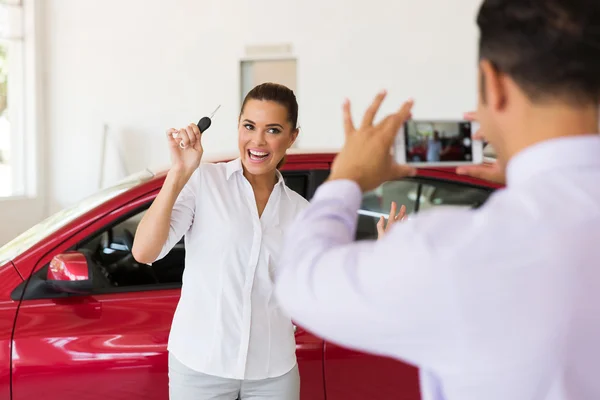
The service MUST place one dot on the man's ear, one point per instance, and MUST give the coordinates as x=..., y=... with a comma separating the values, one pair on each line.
x=492, y=86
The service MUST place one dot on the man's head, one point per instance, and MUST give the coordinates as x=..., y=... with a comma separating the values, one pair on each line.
x=539, y=59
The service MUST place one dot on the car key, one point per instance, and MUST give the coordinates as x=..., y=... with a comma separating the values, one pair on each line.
x=203, y=124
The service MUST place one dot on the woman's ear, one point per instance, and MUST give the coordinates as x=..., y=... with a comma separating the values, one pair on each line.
x=295, y=133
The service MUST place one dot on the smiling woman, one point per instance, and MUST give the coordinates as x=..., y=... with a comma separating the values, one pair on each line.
x=269, y=110
x=229, y=337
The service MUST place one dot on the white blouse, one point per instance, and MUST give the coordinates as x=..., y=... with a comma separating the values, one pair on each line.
x=227, y=322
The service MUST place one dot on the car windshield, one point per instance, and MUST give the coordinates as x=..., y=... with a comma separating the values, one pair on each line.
x=57, y=221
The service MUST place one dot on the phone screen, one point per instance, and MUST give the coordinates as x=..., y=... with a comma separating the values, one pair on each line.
x=438, y=141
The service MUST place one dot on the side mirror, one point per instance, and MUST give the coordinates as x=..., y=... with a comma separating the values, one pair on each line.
x=70, y=272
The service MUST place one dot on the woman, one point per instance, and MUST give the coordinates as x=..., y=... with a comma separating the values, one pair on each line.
x=229, y=339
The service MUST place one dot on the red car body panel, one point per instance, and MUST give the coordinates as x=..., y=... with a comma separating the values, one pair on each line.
x=115, y=345
x=354, y=375
x=9, y=279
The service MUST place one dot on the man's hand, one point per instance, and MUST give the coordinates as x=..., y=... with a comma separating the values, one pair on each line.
x=492, y=172
x=366, y=156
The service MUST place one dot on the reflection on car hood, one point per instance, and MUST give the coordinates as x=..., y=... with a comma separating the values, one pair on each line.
x=57, y=221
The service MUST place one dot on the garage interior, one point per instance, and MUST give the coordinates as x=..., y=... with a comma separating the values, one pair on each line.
x=88, y=89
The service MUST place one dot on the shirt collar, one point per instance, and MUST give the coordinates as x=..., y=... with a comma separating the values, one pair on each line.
x=234, y=166
x=555, y=154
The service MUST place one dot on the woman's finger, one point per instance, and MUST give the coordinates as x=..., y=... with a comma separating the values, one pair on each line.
x=172, y=132
x=184, y=140
x=171, y=137
x=402, y=213
x=392, y=216
x=380, y=227
x=196, y=130
x=191, y=135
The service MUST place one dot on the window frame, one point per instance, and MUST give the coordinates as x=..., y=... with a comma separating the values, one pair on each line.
x=39, y=272
x=93, y=225
x=26, y=111
x=123, y=289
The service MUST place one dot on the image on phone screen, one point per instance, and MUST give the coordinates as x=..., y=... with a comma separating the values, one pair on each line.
x=438, y=142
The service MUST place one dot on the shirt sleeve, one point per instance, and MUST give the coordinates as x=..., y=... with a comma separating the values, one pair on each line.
x=386, y=297
x=182, y=215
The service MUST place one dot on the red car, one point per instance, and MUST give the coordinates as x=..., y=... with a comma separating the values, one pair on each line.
x=81, y=319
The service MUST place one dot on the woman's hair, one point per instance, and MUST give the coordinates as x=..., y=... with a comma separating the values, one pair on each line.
x=280, y=94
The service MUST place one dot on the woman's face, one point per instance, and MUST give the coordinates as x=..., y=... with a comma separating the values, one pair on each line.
x=264, y=135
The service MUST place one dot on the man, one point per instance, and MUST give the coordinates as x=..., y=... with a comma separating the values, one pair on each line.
x=499, y=303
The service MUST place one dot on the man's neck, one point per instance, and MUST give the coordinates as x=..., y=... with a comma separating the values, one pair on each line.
x=546, y=123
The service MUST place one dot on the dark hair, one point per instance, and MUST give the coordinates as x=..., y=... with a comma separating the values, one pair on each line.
x=280, y=94
x=550, y=48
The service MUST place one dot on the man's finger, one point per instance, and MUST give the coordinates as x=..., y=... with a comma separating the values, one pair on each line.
x=392, y=123
x=372, y=110
x=470, y=116
x=478, y=135
x=477, y=171
x=348, y=124
x=398, y=171
x=491, y=172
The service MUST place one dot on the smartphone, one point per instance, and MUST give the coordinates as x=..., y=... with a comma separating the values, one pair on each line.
x=430, y=143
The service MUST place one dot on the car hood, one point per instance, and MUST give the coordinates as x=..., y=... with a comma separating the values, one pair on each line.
x=42, y=230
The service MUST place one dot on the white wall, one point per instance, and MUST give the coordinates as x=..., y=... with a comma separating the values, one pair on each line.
x=143, y=66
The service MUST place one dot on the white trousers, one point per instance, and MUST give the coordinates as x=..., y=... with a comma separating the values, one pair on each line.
x=187, y=384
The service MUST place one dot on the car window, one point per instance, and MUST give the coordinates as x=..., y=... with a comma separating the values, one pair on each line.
x=296, y=181
x=440, y=194
x=417, y=194
x=376, y=203
x=111, y=252
x=305, y=182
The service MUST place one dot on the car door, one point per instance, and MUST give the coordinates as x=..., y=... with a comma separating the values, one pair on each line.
x=9, y=278
x=110, y=343
x=352, y=375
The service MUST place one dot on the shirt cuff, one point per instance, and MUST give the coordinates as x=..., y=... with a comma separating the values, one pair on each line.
x=346, y=191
